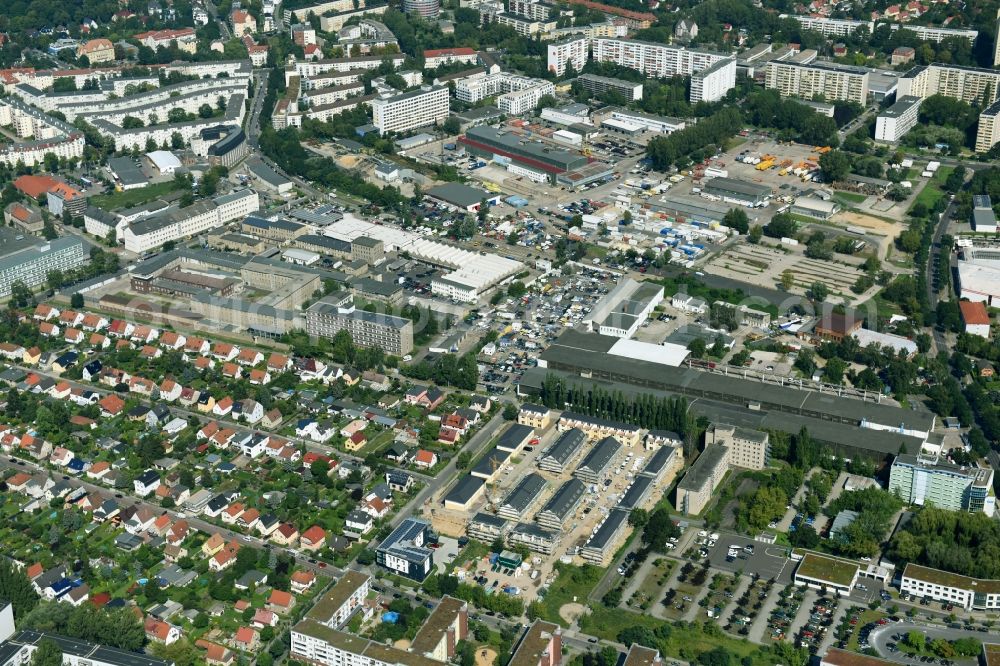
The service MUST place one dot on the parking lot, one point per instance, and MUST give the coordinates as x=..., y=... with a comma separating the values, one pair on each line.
x=770, y=562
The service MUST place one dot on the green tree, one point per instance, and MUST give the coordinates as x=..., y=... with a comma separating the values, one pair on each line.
x=76, y=301
x=17, y=589
x=819, y=291
x=834, y=165
x=737, y=220
x=754, y=236
x=47, y=654
x=787, y=279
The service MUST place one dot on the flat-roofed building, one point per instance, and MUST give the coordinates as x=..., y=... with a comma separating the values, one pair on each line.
x=343, y=600
x=525, y=495
x=706, y=473
x=988, y=130
x=898, y=119
x=832, y=27
x=572, y=52
x=935, y=34
x=31, y=265
x=921, y=480
x=749, y=449
x=819, y=571
x=639, y=655
x=393, y=335
x=624, y=309
x=410, y=110
x=969, y=84
x=653, y=59
x=815, y=207
x=962, y=591
x=738, y=191
x=809, y=80
x=837, y=657
x=560, y=507
x=405, y=550
x=440, y=634
x=599, y=85
x=541, y=645
x=711, y=83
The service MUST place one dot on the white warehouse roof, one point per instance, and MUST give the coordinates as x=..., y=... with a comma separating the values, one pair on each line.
x=665, y=354
x=164, y=160
x=469, y=269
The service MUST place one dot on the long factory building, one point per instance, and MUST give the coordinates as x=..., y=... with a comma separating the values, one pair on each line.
x=849, y=426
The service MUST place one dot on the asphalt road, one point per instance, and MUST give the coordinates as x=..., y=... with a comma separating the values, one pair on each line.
x=880, y=637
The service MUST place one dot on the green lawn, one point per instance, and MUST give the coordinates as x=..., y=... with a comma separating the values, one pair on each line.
x=686, y=641
x=849, y=197
x=933, y=189
x=572, y=581
x=117, y=200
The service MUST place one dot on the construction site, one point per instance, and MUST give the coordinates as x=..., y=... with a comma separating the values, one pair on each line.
x=556, y=493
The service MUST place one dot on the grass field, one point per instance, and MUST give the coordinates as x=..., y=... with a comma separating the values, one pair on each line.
x=117, y=200
x=849, y=197
x=686, y=640
x=933, y=190
x=571, y=582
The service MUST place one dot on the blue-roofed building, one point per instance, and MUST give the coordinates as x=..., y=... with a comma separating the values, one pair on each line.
x=405, y=551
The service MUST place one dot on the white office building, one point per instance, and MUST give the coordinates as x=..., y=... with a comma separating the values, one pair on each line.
x=410, y=110
x=932, y=34
x=572, y=52
x=897, y=120
x=712, y=83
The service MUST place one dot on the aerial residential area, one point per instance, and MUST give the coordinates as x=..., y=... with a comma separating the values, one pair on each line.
x=499, y=333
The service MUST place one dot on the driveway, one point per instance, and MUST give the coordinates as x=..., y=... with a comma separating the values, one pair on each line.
x=880, y=637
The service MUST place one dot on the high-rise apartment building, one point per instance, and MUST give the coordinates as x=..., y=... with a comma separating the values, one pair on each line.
x=849, y=84
x=712, y=83
x=410, y=110
x=572, y=52
x=924, y=480
x=658, y=60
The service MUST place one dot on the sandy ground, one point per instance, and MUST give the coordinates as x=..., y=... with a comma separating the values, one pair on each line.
x=879, y=226
x=348, y=161
x=402, y=644
x=572, y=612
x=486, y=657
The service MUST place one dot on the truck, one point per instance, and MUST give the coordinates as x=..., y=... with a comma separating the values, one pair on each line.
x=765, y=165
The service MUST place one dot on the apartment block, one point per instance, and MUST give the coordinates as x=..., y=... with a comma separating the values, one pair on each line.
x=410, y=110
x=394, y=335
x=532, y=9
x=988, y=132
x=658, y=60
x=849, y=84
x=515, y=94
x=934, y=34
x=572, y=52
x=831, y=27
x=31, y=265
x=965, y=83
x=897, y=120
x=713, y=82
x=920, y=479
x=598, y=85
x=541, y=645
x=522, y=26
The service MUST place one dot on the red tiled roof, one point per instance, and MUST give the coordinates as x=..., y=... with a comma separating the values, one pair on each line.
x=974, y=313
